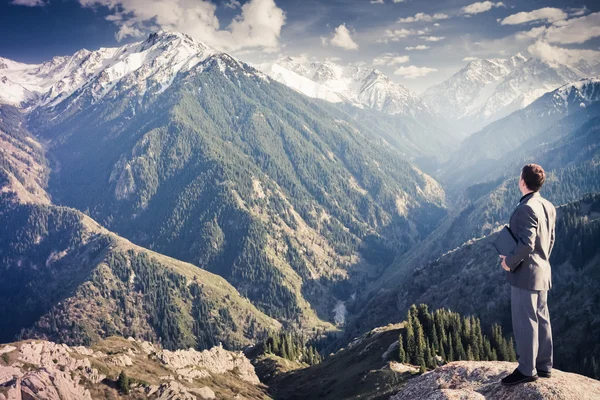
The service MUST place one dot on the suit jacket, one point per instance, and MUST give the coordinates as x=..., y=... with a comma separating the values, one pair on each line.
x=533, y=223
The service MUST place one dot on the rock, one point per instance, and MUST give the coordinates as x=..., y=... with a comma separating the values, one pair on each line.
x=216, y=361
x=205, y=393
x=41, y=370
x=46, y=385
x=475, y=380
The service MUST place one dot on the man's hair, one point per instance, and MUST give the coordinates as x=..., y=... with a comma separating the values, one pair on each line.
x=534, y=176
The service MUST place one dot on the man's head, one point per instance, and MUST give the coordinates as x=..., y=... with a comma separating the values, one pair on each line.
x=532, y=178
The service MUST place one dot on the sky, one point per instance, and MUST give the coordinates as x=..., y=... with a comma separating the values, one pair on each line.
x=417, y=43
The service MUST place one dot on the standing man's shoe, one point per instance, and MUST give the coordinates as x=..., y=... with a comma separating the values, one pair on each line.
x=544, y=374
x=517, y=377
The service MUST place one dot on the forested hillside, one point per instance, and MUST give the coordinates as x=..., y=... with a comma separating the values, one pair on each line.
x=469, y=280
x=66, y=279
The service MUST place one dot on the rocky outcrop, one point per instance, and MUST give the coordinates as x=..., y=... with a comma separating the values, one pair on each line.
x=42, y=370
x=471, y=380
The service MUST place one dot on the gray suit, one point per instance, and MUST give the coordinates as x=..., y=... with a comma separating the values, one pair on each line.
x=533, y=223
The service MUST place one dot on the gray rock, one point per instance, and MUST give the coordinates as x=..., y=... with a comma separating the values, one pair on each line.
x=475, y=380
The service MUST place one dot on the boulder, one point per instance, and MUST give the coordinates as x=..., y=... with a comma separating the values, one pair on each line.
x=473, y=380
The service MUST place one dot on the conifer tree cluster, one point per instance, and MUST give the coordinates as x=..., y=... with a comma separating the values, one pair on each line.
x=292, y=346
x=432, y=338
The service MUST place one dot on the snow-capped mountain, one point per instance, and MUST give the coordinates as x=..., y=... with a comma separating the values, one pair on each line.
x=356, y=85
x=152, y=63
x=551, y=117
x=487, y=90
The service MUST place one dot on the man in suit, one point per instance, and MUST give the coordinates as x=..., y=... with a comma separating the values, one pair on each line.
x=528, y=272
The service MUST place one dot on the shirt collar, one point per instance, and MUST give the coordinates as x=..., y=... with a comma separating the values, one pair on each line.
x=527, y=195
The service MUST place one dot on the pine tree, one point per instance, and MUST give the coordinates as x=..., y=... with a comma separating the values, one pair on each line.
x=123, y=383
x=411, y=344
x=401, y=352
x=420, y=344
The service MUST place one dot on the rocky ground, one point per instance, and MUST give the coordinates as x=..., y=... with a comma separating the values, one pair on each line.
x=472, y=380
x=48, y=371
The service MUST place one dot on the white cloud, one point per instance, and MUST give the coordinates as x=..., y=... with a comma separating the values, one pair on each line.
x=418, y=47
x=258, y=25
x=28, y=3
x=574, y=30
x=480, y=7
x=554, y=54
x=233, y=4
x=432, y=38
x=400, y=1
x=422, y=17
x=412, y=72
x=342, y=38
x=470, y=58
x=394, y=35
x=577, y=12
x=548, y=14
x=377, y=2
x=390, y=59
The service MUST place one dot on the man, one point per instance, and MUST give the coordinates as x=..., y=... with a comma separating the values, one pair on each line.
x=528, y=272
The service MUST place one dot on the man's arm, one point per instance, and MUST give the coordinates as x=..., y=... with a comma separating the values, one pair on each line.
x=526, y=235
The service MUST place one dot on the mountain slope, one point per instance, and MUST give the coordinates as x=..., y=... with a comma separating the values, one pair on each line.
x=488, y=90
x=83, y=283
x=291, y=201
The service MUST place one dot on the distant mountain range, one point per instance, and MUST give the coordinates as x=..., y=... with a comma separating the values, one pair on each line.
x=485, y=154
x=487, y=90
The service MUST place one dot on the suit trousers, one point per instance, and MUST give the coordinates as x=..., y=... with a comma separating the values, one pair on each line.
x=532, y=330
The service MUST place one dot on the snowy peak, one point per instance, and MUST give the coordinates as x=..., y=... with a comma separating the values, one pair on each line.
x=356, y=85
x=579, y=94
x=152, y=63
x=487, y=90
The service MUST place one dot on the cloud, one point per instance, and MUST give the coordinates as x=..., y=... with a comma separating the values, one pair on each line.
x=574, y=30
x=412, y=72
x=28, y=3
x=432, y=38
x=470, y=58
x=480, y=7
x=554, y=54
x=547, y=14
x=577, y=12
x=394, y=35
x=422, y=17
x=390, y=59
x=377, y=2
x=258, y=25
x=342, y=38
x=233, y=4
x=418, y=47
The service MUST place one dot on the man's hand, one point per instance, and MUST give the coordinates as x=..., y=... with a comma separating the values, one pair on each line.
x=504, y=266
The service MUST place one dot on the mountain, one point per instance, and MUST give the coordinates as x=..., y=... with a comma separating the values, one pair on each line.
x=200, y=157
x=488, y=90
x=555, y=115
x=357, y=85
x=124, y=368
x=395, y=113
x=155, y=62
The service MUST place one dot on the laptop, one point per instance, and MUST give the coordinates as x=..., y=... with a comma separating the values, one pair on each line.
x=505, y=241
